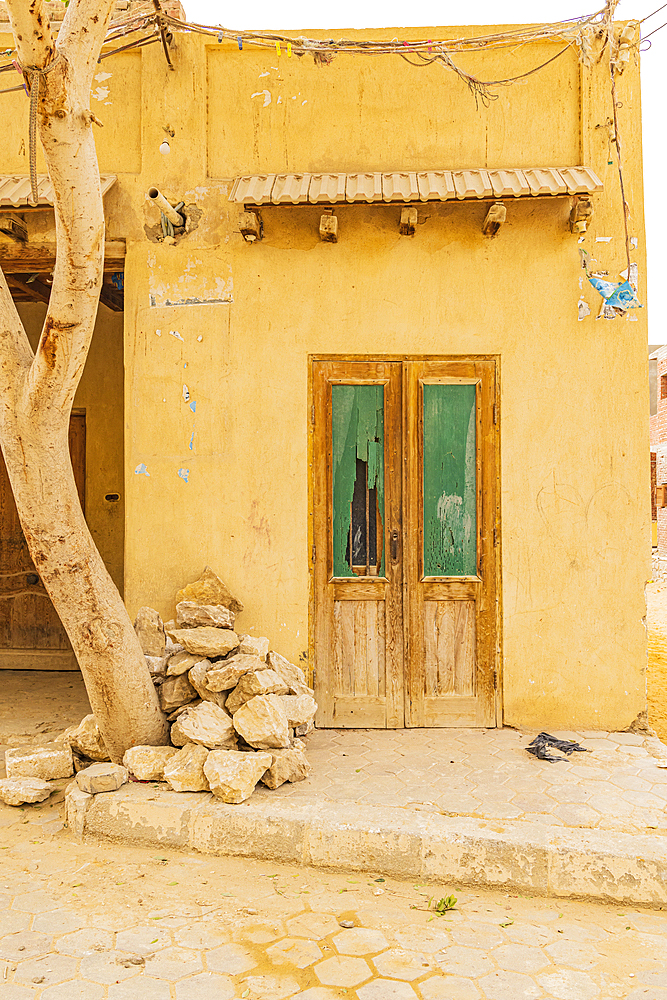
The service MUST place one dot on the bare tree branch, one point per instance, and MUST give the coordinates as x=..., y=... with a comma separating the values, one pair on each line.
x=15, y=351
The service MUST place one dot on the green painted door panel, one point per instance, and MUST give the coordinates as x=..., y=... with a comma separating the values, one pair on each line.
x=450, y=481
x=358, y=479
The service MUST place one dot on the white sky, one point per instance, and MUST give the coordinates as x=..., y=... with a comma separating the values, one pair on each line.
x=298, y=14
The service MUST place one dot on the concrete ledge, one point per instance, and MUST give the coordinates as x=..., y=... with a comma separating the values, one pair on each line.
x=591, y=864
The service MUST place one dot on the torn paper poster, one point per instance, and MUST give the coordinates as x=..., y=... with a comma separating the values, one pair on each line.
x=583, y=308
x=618, y=294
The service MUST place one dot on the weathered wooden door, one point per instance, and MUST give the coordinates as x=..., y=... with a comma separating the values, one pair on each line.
x=405, y=532
x=31, y=633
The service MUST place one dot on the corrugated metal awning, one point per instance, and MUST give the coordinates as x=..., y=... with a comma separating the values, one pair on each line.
x=407, y=186
x=15, y=189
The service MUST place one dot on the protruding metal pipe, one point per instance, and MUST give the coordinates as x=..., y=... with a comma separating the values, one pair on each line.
x=159, y=199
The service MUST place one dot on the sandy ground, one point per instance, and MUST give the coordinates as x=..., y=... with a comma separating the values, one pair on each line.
x=656, y=624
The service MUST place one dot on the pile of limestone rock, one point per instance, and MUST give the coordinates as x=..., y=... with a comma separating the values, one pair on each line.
x=238, y=712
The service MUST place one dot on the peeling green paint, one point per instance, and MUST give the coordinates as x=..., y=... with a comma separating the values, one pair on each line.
x=450, y=481
x=357, y=413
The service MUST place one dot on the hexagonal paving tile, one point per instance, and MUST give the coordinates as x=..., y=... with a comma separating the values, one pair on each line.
x=322, y=993
x=466, y=962
x=78, y=990
x=24, y=944
x=573, y=953
x=520, y=958
x=448, y=988
x=567, y=983
x=12, y=922
x=206, y=986
x=64, y=922
x=342, y=971
x=11, y=991
x=34, y=902
x=110, y=966
x=230, y=958
x=88, y=941
x=143, y=940
x=140, y=988
x=360, y=941
x=386, y=989
x=200, y=936
x=509, y=986
x=47, y=970
x=428, y=940
x=312, y=925
x=173, y=963
x=260, y=933
x=294, y=951
x=402, y=964
x=271, y=987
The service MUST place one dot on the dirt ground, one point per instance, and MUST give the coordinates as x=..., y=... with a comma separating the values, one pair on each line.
x=656, y=624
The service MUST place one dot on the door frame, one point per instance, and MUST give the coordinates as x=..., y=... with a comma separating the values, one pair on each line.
x=462, y=359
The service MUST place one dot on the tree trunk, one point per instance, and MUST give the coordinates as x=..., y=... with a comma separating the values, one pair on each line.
x=37, y=391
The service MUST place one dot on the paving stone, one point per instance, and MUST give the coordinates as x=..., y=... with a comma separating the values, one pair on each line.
x=319, y=993
x=79, y=990
x=47, y=970
x=569, y=985
x=294, y=951
x=205, y=986
x=520, y=958
x=199, y=936
x=577, y=814
x=24, y=944
x=402, y=964
x=459, y=961
x=360, y=941
x=638, y=994
x=579, y=956
x=385, y=989
x=448, y=988
x=35, y=902
x=342, y=971
x=10, y=991
x=271, y=987
x=64, y=921
x=428, y=940
x=143, y=940
x=510, y=986
x=173, y=963
x=88, y=941
x=478, y=935
x=230, y=958
x=260, y=934
x=12, y=922
x=140, y=988
x=312, y=925
x=109, y=966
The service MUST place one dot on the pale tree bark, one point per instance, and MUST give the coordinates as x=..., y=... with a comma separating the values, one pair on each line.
x=37, y=391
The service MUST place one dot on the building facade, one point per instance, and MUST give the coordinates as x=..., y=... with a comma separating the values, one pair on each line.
x=361, y=381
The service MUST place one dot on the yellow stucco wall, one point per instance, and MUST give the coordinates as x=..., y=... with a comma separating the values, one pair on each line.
x=100, y=396
x=574, y=433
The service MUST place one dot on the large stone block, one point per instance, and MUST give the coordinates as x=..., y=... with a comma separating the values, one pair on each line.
x=293, y=676
x=150, y=630
x=181, y=663
x=102, y=778
x=175, y=691
x=300, y=709
x=18, y=791
x=147, y=763
x=207, y=724
x=254, y=683
x=53, y=760
x=262, y=723
x=209, y=589
x=226, y=674
x=254, y=646
x=232, y=776
x=288, y=765
x=185, y=770
x=197, y=676
x=86, y=739
x=189, y=614
x=206, y=640
x=157, y=665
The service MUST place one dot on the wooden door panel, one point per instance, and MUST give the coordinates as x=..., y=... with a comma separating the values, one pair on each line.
x=449, y=648
x=28, y=620
x=356, y=525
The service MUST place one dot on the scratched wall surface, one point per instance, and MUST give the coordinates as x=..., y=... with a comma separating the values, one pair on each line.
x=218, y=336
x=450, y=481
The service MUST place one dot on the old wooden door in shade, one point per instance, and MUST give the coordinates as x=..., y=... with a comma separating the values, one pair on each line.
x=31, y=634
x=404, y=530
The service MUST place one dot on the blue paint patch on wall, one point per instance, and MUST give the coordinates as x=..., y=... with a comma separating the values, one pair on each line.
x=193, y=405
x=192, y=441
x=141, y=470
x=184, y=473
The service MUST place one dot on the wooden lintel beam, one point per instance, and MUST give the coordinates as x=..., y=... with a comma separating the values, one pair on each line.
x=29, y=258
x=112, y=298
x=36, y=290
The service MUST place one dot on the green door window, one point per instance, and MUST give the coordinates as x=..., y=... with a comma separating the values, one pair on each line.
x=358, y=480
x=450, y=481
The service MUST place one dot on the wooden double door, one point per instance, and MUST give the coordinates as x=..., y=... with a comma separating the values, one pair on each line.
x=405, y=528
